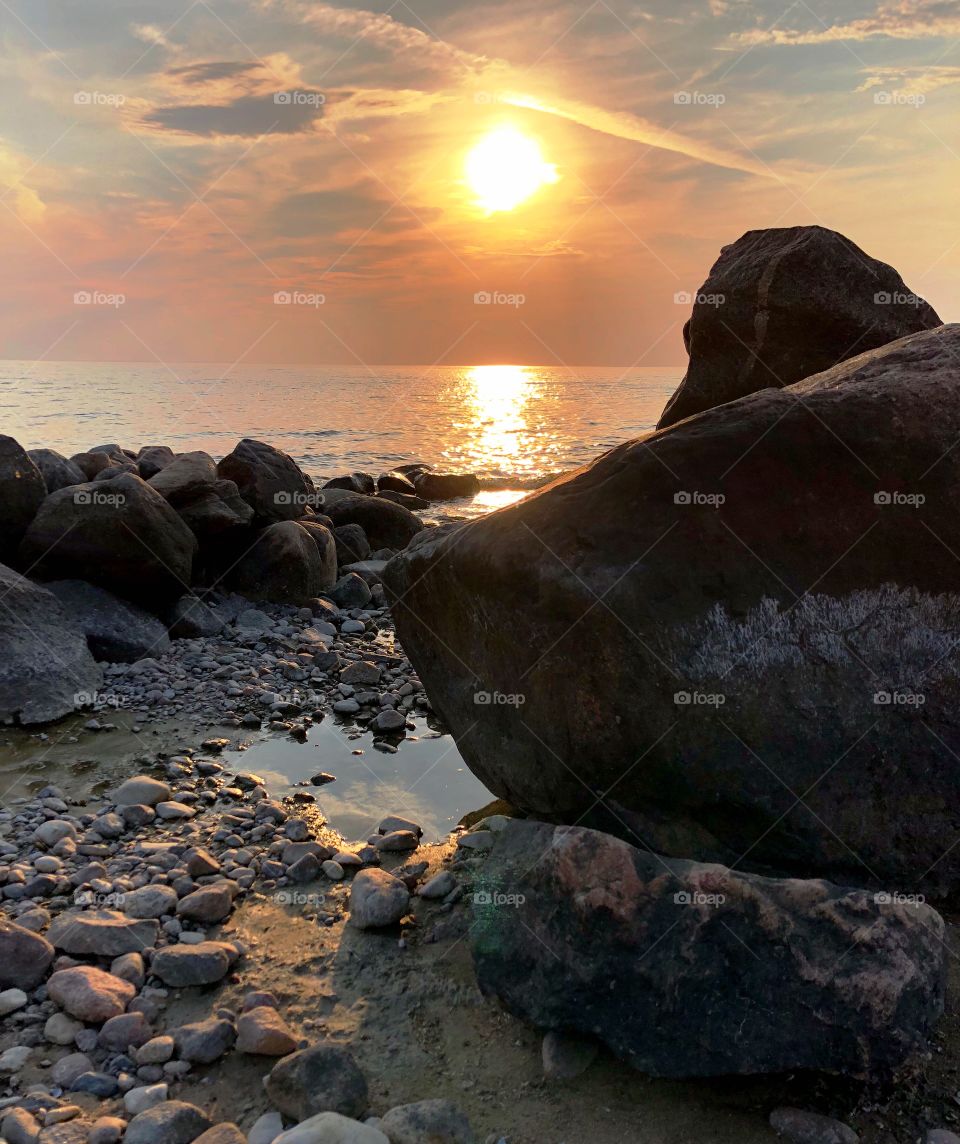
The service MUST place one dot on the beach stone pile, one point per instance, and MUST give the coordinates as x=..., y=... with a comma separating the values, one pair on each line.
x=109, y=911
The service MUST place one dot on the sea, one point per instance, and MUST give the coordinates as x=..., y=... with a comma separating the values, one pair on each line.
x=515, y=426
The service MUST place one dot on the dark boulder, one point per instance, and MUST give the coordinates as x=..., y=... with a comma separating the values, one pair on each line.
x=326, y=549
x=25, y=956
x=269, y=481
x=687, y=969
x=350, y=591
x=115, y=468
x=190, y=617
x=734, y=638
x=46, y=670
x=405, y=500
x=121, y=535
x=782, y=304
x=212, y=515
x=116, y=630
x=282, y=565
x=187, y=477
x=152, y=458
x=57, y=471
x=21, y=493
x=94, y=462
x=396, y=482
x=446, y=486
x=354, y=483
x=352, y=544
x=322, y=1078
x=386, y=525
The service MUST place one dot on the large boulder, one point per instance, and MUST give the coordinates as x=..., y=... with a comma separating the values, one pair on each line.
x=282, y=565
x=323, y=538
x=210, y=516
x=116, y=630
x=46, y=669
x=577, y=930
x=187, y=477
x=734, y=638
x=58, y=472
x=352, y=544
x=782, y=304
x=121, y=535
x=21, y=493
x=446, y=486
x=386, y=525
x=269, y=481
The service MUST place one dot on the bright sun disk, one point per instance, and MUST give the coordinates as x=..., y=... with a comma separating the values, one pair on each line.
x=505, y=168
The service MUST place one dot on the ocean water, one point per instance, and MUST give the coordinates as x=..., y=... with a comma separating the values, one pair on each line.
x=515, y=426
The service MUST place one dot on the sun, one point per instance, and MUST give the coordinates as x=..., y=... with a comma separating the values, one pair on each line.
x=505, y=168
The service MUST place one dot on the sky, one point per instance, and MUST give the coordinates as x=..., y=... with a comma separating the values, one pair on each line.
x=284, y=180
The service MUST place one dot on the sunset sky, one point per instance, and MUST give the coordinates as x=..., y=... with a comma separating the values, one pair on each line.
x=197, y=158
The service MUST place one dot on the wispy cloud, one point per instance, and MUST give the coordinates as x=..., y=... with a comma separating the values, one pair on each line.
x=901, y=20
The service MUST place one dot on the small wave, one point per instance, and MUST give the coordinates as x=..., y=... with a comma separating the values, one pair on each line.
x=518, y=482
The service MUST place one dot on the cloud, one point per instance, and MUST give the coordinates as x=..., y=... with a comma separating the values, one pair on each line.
x=247, y=117
x=625, y=125
x=900, y=20
x=913, y=80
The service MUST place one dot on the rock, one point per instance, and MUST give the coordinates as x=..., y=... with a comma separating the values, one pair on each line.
x=322, y=1078
x=268, y=480
x=799, y=1127
x=396, y=482
x=71, y=1132
x=98, y=1084
x=593, y=907
x=265, y=1128
x=11, y=1000
x=395, y=822
x=47, y=669
x=933, y=1136
x=201, y=964
x=125, y=1032
x=222, y=1134
x=150, y=901
x=351, y=543
x=204, y=1041
x=370, y=571
x=326, y=550
x=151, y=459
x=141, y=790
x=802, y=549
x=446, y=486
x=398, y=840
x=61, y=1029
x=411, y=502
x=21, y=493
x=282, y=565
x=187, y=477
x=19, y=1127
x=388, y=721
x=94, y=462
x=436, y=1121
x=12, y=1060
x=90, y=994
x=190, y=618
x=25, y=957
x=377, y=899
x=211, y=516
x=56, y=470
x=567, y=1055
x=122, y=536
x=780, y=305
x=66, y=1070
x=172, y=1122
x=106, y=1130
x=156, y=1051
x=385, y=525
x=360, y=671
x=354, y=482
x=264, y=1031
x=209, y=904
x=116, y=630
x=200, y=863
x=104, y=933
x=143, y=1097
x=174, y=811
x=438, y=886
x=350, y=591
x=331, y=1128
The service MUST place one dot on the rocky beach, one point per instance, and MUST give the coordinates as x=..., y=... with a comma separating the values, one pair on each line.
x=709, y=682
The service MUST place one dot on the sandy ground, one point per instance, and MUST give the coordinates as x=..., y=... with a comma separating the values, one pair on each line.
x=411, y=1012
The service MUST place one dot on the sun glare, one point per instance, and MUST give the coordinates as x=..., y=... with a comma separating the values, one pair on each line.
x=505, y=168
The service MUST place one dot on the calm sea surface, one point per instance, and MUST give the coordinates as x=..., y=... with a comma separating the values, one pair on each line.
x=515, y=426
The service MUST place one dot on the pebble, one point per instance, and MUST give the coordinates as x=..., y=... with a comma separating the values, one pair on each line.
x=172, y=1122
x=377, y=899
x=106, y=1130
x=138, y=1100
x=90, y=994
x=331, y=1128
x=439, y=1121
x=11, y=1000
x=262, y=1030
x=264, y=1130
x=438, y=886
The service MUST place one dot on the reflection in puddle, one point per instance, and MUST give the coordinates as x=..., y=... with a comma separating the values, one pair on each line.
x=426, y=780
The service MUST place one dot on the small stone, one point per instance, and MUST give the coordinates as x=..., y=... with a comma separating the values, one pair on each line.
x=172, y=1122
x=24, y=956
x=173, y=811
x=389, y=721
x=225, y=1133
x=129, y=967
x=331, y=1128
x=156, y=1051
x=203, y=964
x=90, y=994
x=141, y=791
x=438, y=886
x=66, y=1070
x=13, y=1059
x=150, y=901
x=256, y=999
x=478, y=840
x=138, y=1100
x=398, y=841
x=439, y=1121
x=933, y=1136
x=377, y=899
x=96, y=1084
x=209, y=904
x=333, y=870
x=362, y=671
x=103, y=933
x=264, y=1031
x=322, y=1078
x=61, y=1029
x=124, y=1032
x=19, y=1127
x=394, y=822
x=204, y=1041
x=11, y=1000
x=264, y=1130
x=106, y=1130
x=800, y=1127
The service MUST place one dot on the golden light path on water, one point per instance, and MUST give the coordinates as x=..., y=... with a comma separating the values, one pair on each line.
x=496, y=433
